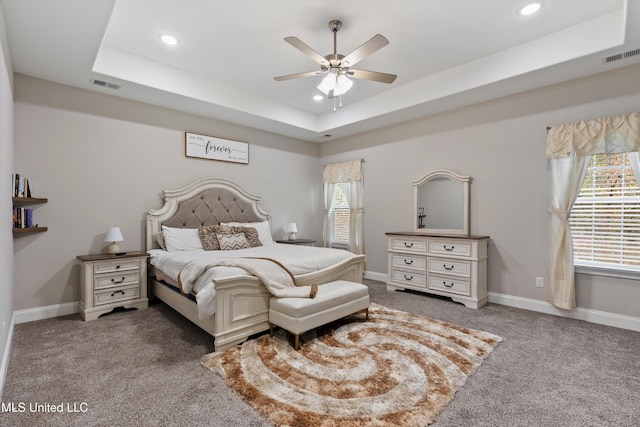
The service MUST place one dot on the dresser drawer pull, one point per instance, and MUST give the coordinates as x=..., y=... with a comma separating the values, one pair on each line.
x=408, y=245
x=117, y=281
x=448, y=286
x=408, y=262
x=448, y=249
x=117, y=267
x=117, y=292
x=448, y=268
x=408, y=277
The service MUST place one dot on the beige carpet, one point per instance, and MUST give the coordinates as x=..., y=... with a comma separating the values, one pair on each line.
x=397, y=369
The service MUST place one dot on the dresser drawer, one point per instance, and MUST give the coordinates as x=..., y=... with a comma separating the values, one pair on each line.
x=450, y=247
x=116, y=294
x=408, y=245
x=409, y=278
x=450, y=285
x=412, y=262
x=117, y=265
x=448, y=267
x=111, y=280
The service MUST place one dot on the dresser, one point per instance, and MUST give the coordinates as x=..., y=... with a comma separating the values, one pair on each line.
x=449, y=265
x=110, y=281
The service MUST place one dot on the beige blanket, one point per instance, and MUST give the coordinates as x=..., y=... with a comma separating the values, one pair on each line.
x=275, y=277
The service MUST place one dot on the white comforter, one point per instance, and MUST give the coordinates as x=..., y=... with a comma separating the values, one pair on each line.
x=297, y=259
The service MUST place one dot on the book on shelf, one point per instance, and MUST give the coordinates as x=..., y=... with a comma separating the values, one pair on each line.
x=21, y=186
x=23, y=218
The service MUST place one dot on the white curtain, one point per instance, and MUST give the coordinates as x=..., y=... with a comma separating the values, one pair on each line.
x=353, y=190
x=329, y=191
x=351, y=174
x=567, y=175
x=569, y=149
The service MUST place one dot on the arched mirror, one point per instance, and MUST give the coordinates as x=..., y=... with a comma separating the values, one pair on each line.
x=441, y=203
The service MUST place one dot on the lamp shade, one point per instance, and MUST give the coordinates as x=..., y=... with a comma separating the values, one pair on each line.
x=292, y=229
x=113, y=234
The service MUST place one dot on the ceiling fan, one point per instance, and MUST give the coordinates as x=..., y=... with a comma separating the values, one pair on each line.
x=337, y=66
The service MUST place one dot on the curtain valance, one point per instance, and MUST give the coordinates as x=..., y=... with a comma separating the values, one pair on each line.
x=617, y=134
x=342, y=172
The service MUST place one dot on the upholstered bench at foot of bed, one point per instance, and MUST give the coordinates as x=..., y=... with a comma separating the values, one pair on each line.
x=333, y=301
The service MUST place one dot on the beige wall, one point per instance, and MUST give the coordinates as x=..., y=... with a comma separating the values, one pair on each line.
x=6, y=219
x=501, y=145
x=104, y=161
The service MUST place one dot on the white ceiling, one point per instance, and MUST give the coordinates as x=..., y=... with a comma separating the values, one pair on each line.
x=446, y=53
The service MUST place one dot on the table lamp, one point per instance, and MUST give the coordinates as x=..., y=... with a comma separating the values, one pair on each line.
x=113, y=235
x=292, y=229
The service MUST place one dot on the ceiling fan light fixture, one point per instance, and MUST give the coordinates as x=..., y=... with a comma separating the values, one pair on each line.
x=327, y=84
x=343, y=84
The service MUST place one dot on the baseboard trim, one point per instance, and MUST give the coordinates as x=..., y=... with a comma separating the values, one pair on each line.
x=47, y=312
x=586, y=314
x=372, y=275
x=5, y=357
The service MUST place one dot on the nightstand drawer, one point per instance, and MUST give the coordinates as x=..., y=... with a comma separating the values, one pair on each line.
x=451, y=285
x=449, y=267
x=111, y=280
x=117, y=265
x=409, y=278
x=409, y=262
x=116, y=294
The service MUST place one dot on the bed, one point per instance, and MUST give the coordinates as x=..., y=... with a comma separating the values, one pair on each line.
x=230, y=303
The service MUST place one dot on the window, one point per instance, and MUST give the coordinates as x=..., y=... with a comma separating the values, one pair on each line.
x=340, y=217
x=605, y=219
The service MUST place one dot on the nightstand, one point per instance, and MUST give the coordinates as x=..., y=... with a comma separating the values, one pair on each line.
x=110, y=281
x=303, y=242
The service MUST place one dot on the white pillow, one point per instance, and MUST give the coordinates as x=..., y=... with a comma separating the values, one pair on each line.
x=181, y=239
x=263, y=227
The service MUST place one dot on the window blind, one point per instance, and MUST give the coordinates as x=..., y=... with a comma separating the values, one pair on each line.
x=605, y=219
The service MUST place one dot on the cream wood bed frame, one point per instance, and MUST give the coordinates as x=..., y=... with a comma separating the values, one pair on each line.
x=242, y=302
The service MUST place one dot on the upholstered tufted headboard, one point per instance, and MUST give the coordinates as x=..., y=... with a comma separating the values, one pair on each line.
x=208, y=201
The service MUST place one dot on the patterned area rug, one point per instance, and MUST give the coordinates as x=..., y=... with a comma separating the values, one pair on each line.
x=397, y=369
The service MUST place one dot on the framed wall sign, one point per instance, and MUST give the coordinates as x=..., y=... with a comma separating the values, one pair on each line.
x=212, y=148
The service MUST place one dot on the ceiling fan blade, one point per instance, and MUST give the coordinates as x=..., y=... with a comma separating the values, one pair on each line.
x=371, y=75
x=295, y=76
x=367, y=48
x=304, y=48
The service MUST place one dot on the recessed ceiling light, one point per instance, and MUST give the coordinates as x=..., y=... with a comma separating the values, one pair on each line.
x=318, y=97
x=169, y=39
x=530, y=8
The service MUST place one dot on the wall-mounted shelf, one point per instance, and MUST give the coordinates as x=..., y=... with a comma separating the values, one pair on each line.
x=25, y=201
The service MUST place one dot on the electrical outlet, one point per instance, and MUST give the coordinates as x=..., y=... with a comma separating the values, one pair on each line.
x=539, y=282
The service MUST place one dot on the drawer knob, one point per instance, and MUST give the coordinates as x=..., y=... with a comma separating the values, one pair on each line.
x=117, y=267
x=408, y=277
x=448, y=268
x=448, y=249
x=408, y=245
x=408, y=262
x=117, y=281
x=448, y=286
x=117, y=292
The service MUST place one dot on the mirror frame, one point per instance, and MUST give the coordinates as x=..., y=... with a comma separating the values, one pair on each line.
x=442, y=173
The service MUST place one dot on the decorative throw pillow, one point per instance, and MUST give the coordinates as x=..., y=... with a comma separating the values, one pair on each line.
x=263, y=227
x=232, y=241
x=208, y=237
x=253, y=239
